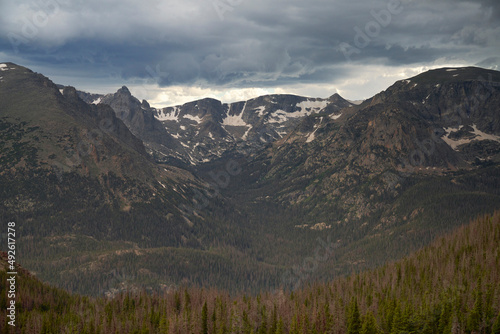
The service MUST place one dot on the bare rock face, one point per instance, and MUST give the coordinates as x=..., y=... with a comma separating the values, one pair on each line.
x=140, y=119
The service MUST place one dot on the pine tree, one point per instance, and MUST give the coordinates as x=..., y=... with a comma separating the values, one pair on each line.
x=214, y=322
x=353, y=318
x=328, y=317
x=280, y=326
x=369, y=324
x=400, y=321
x=445, y=318
x=263, y=324
x=204, y=319
x=496, y=326
x=247, y=326
x=475, y=318
x=177, y=302
x=163, y=325
x=274, y=321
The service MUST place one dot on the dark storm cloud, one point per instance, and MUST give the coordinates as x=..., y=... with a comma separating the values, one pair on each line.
x=243, y=43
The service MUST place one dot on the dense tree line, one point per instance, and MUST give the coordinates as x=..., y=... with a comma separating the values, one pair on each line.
x=451, y=286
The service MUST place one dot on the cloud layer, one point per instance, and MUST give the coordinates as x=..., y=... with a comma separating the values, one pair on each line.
x=223, y=45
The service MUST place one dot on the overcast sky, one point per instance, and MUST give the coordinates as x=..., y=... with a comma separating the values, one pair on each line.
x=171, y=52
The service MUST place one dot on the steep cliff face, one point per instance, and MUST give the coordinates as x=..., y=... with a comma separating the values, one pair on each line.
x=140, y=119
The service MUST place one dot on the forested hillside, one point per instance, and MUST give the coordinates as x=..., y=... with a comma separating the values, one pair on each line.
x=451, y=286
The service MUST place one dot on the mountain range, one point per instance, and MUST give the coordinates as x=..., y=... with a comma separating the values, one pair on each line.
x=205, y=130
x=242, y=195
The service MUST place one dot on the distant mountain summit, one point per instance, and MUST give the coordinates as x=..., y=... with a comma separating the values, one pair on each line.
x=208, y=129
x=205, y=130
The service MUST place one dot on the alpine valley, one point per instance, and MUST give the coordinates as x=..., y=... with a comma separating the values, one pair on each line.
x=110, y=194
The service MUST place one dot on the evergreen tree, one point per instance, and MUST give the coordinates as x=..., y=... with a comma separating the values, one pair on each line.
x=204, y=318
x=353, y=318
x=280, y=326
x=496, y=326
x=247, y=326
x=369, y=324
x=475, y=318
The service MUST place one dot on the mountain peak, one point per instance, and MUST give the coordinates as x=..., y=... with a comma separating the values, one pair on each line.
x=455, y=74
x=124, y=90
x=70, y=92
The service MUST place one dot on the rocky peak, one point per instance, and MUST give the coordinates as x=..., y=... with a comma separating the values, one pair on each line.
x=145, y=105
x=124, y=90
x=70, y=93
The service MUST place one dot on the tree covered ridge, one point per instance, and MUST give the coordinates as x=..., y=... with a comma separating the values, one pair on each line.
x=451, y=286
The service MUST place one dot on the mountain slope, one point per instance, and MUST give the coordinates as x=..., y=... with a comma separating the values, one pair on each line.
x=376, y=174
x=449, y=286
x=73, y=175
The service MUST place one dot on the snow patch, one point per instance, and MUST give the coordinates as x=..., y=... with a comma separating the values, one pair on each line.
x=335, y=116
x=234, y=120
x=170, y=116
x=279, y=116
x=197, y=119
x=309, y=106
x=312, y=136
x=245, y=135
x=97, y=101
x=479, y=136
x=3, y=67
x=260, y=110
x=451, y=69
x=183, y=127
x=483, y=135
x=306, y=109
